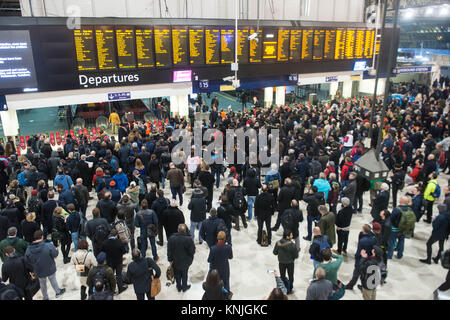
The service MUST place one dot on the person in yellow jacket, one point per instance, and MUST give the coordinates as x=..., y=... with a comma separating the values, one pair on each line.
x=431, y=187
x=114, y=119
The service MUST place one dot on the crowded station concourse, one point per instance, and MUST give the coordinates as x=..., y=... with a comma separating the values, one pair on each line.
x=97, y=217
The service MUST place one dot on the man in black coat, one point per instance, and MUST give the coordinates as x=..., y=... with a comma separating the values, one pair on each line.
x=380, y=202
x=3, y=227
x=114, y=249
x=209, y=228
x=286, y=170
x=342, y=222
x=171, y=218
x=291, y=219
x=16, y=271
x=159, y=205
x=313, y=199
x=81, y=194
x=108, y=209
x=47, y=213
x=439, y=233
x=139, y=272
x=287, y=193
x=350, y=188
x=180, y=254
x=197, y=205
x=91, y=227
x=264, y=210
x=398, y=181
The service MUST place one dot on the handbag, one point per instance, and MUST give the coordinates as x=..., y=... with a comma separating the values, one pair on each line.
x=156, y=286
x=82, y=270
x=170, y=274
x=152, y=230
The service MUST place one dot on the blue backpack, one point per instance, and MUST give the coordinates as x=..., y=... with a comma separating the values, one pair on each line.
x=322, y=245
x=23, y=181
x=437, y=191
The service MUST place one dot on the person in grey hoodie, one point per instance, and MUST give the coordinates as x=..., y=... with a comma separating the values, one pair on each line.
x=320, y=288
x=41, y=256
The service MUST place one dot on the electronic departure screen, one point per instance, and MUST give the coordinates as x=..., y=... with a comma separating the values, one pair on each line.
x=145, y=48
x=307, y=44
x=359, y=43
x=243, y=44
x=16, y=60
x=329, y=44
x=319, y=38
x=180, y=45
x=295, y=45
x=270, y=45
x=369, y=40
x=340, y=44
x=106, y=48
x=126, y=47
x=196, y=45
x=283, y=45
x=212, y=45
x=85, y=48
x=163, y=47
x=350, y=44
x=377, y=43
x=256, y=46
x=227, y=45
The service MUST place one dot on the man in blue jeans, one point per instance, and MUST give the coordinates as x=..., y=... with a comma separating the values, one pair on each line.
x=197, y=205
x=251, y=186
x=397, y=235
x=176, y=179
x=73, y=224
x=313, y=199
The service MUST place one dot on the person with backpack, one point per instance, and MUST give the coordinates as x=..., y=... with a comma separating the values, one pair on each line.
x=273, y=180
x=432, y=192
x=319, y=243
x=101, y=278
x=370, y=272
x=218, y=257
x=287, y=252
x=366, y=241
x=97, y=230
x=107, y=207
x=314, y=199
x=83, y=260
x=264, y=210
x=147, y=220
x=291, y=219
x=209, y=229
x=47, y=213
x=141, y=272
x=35, y=205
x=158, y=206
x=17, y=272
x=63, y=179
x=403, y=221
x=441, y=230
x=81, y=195
x=124, y=233
x=114, y=249
x=286, y=195
x=73, y=223
x=342, y=221
x=197, y=205
x=41, y=256
x=236, y=196
x=326, y=223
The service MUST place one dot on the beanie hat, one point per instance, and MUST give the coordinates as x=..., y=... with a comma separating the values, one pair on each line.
x=376, y=226
x=101, y=257
x=34, y=193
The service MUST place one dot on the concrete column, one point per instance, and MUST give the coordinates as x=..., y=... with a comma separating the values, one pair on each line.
x=334, y=86
x=347, y=89
x=268, y=96
x=280, y=96
x=10, y=123
x=183, y=105
x=173, y=105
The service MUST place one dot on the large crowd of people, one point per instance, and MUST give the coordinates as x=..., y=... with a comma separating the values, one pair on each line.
x=46, y=192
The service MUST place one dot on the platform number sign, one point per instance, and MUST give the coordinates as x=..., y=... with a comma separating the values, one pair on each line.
x=204, y=84
x=293, y=77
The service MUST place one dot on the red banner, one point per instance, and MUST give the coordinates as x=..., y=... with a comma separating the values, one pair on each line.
x=98, y=130
x=167, y=121
x=80, y=132
x=72, y=134
x=26, y=140
x=18, y=150
x=22, y=142
x=52, y=138
x=58, y=138
x=85, y=132
x=94, y=131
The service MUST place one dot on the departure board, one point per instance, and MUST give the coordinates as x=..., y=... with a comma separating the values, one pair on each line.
x=340, y=44
x=85, y=48
x=242, y=50
x=359, y=43
x=368, y=43
x=145, y=48
x=255, y=52
x=126, y=47
x=319, y=38
x=163, y=47
x=283, y=45
x=329, y=44
x=270, y=45
x=197, y=45
x=350, y=44
x=106, y=48
x=295, y=45
x=307, y=44
x=212, y=45
x=227, y=45
x=377, y=42
x=180, y=45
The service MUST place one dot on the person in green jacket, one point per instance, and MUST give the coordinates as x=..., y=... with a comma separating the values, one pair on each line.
x=431, y=187
x=287, y=252
x=331, y=266
x=326, y=223
x=17, y=243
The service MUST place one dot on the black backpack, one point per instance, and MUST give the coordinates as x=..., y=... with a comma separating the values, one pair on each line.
x=99, y=275
x=8, y=292
x=287, y=220
x=445, y=260
x=101, y=233
x=239, y=202
x=165, y=159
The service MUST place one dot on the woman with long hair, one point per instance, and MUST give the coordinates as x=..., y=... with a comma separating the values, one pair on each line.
x=84, y=260
x=213, y=287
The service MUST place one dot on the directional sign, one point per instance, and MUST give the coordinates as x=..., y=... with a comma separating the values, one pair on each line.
x=119, y=96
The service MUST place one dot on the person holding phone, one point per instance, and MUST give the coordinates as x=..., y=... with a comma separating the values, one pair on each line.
x=287, y=252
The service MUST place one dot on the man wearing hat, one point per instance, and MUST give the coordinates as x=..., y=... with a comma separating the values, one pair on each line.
x=17, y=243
x=439, y=234
x=101, y=273
x=115, y=194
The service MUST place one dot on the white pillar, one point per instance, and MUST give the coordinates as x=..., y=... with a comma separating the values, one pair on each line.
x=268, y=96
x=173, y=106
x=347, y=89
x=280, y=96
x=10, y=123
x=183, y=105
x=368, y=86
x=334, y=86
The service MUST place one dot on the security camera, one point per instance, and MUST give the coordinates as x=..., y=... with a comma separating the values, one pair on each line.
x=372, y=72
x=230, y=78
x=253, y=36
x=236, y=83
